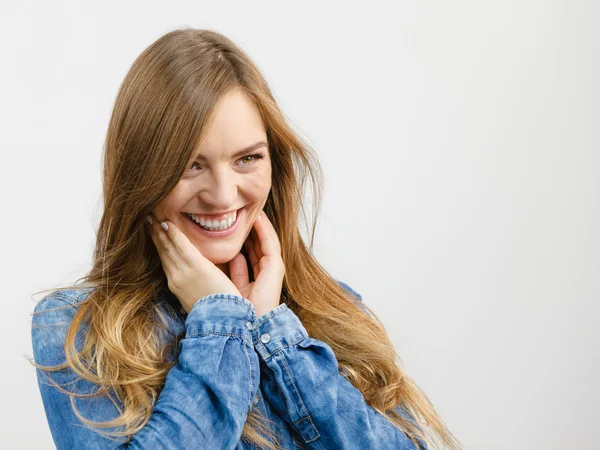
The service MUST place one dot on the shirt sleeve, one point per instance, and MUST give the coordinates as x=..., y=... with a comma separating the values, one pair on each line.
x=206, y=396
x=301, y=380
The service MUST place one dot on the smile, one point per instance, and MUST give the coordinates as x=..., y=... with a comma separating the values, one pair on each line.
x=216, y=228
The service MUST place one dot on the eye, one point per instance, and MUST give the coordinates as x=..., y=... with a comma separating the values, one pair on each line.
x=250, y=159
x=245, y=161
x=191, y=167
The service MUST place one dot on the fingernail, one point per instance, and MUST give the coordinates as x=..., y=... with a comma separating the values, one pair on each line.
x=149, y=219
x=260, y=215
x=164, y=225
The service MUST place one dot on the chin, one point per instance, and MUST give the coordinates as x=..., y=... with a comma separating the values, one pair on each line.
x=220, y=255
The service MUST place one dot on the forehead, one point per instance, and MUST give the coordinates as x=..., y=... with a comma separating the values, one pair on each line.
x=235, y=126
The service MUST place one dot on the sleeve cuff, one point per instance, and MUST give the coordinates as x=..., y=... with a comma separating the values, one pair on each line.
x=234, y=315
x=277, y=329
x=221, y=314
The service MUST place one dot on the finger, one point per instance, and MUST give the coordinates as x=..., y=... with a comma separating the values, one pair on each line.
x=267, y=236
x=256, y=244
x=164, y=258
x=238, y=271
x=168, y=248
x=184, y=252
x=252, y=257
x=251, y=247
x=271, y=228
x=160, y=241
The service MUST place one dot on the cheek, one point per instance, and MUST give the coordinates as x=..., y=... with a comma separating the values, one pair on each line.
x=160, y=210
x=171, y=204
x=258, y=185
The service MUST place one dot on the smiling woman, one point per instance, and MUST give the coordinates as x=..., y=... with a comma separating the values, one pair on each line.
x=206, y=320
x=226, y=187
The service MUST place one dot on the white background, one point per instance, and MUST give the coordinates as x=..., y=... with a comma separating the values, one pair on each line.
x=461, y=150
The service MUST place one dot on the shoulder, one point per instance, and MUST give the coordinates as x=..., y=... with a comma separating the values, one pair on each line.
x=357, y=299
x=349, y=289
x=58, y=304
x=51, y=319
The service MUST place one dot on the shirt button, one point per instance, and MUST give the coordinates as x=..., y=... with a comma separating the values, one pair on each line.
x=249, y=325
x=265, y=338
x=256, y=399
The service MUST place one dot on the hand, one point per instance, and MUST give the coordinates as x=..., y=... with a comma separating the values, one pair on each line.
x=264, y=251
x=189, y=274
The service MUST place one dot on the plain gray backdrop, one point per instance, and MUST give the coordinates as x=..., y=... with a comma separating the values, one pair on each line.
x=461, y=151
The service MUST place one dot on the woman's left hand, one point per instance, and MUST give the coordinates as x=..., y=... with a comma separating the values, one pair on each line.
x=264, y=251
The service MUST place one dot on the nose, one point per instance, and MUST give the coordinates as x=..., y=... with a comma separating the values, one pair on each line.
x=220, y=190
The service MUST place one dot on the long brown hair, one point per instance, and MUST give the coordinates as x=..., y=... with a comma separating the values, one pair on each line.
x=160, y=113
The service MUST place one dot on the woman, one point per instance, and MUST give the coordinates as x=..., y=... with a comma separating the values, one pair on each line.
x=205, y=321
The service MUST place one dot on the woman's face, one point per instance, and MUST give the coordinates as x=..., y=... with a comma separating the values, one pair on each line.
x=223, y=179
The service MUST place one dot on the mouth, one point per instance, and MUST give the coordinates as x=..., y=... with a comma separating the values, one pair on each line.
x=213, y=232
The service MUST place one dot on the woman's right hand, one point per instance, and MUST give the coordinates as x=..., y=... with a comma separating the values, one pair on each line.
x=189, y=274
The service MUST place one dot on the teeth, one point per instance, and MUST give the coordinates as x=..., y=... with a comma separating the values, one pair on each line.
x=214, y=225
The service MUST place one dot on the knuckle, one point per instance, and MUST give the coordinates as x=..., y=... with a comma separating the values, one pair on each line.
x=188, y=273
x=175, y=280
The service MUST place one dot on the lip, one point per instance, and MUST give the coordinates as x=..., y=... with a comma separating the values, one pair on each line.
x=221, y=233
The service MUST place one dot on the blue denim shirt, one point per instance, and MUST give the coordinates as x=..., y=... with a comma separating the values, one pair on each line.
x=229, y=362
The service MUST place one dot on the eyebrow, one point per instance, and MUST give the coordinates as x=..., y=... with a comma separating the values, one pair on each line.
x=250, y=148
